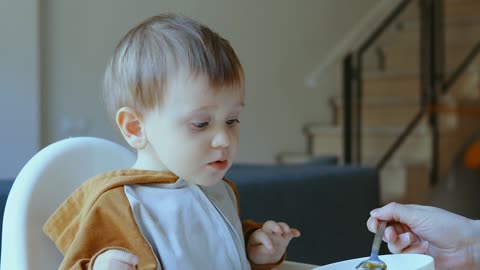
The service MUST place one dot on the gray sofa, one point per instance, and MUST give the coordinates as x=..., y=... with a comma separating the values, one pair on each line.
x=5, y=186
x=329, y=204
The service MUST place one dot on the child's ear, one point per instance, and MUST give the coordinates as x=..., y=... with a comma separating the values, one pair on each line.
x=130, y=123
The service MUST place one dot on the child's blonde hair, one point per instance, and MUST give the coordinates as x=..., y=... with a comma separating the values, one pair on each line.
x=158, y=47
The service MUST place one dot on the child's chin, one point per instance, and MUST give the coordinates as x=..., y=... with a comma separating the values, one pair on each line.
x=210, y=181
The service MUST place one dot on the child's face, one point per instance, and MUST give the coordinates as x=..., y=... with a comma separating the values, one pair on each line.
x=194, y=131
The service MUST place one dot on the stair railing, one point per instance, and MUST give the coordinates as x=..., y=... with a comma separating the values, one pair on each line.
x=352, y=89
x=433, y=84
x=462, y=67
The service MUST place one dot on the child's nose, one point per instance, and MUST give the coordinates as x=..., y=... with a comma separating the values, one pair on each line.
x=221, y=139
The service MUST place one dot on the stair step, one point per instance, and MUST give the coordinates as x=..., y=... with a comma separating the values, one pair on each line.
x=394, y=111
x=379, y=84
x=375, y=142
x=454, y=10
x=406, y=85
x=405, y=182
x=455, y=57
x=461, y=8
x=467, y=86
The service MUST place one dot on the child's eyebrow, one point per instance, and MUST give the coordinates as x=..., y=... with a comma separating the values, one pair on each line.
x=206, y=107
x=203, y=108
x=238, y=107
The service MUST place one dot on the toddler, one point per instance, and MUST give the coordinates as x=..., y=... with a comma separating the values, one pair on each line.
x=175, y=89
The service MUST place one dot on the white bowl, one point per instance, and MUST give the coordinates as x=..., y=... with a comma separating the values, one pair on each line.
x=393, y=261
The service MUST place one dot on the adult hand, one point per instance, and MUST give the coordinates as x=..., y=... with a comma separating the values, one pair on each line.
x=448, y=237
x=267, y=245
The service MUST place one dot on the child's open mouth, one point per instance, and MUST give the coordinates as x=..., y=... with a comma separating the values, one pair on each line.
x=219, y=164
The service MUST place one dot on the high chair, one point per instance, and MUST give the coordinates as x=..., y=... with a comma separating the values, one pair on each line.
x=47, y=179
x=42, y=185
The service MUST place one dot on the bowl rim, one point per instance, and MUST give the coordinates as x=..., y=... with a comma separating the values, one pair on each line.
x=427, y=259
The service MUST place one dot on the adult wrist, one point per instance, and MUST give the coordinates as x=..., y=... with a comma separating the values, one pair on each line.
x=475, y=228
x=472, y=246
x=476, y=244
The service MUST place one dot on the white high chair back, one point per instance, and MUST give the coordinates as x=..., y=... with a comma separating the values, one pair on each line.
x=41, y=186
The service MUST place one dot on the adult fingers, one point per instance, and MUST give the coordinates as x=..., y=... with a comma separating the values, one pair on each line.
x=391, y=232
x=402, y=242
x=395, y=229
x=395, y=212
x=420, y=247
x=372, y=224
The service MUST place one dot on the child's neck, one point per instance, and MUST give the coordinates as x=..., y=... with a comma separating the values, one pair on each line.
x=146, y=162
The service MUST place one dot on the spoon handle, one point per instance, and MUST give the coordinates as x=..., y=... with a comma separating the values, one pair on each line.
x=378, y=237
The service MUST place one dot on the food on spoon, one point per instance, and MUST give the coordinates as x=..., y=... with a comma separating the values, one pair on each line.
x=370, y=265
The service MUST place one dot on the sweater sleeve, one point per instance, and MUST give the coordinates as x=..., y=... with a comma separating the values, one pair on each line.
x=248, y=227
x=108, y=224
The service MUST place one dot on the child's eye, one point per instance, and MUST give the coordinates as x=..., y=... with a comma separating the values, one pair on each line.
x=200, y=125
x=233, y=122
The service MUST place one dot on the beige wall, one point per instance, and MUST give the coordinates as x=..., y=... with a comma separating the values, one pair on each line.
x=278, y=42
x=19, y=85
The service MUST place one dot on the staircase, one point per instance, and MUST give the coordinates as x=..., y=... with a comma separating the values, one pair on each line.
x=391, y=98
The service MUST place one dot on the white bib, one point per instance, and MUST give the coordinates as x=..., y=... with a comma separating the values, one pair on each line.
x=188, y=226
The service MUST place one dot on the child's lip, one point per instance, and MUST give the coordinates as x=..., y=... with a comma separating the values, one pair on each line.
x=219, y=164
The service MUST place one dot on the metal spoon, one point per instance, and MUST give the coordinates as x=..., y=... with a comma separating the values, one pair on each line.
x=374, y=262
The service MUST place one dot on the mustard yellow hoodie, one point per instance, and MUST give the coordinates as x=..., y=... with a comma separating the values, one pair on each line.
x=97, y=217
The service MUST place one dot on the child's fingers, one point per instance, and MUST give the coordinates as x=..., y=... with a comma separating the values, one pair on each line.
x=288, y=236
x=118, y=265
x=122, y=256
x=272, y=226
x=284, y=226
x=279, y=228
x=260, y=237
x=115, y=259
x=295, y=232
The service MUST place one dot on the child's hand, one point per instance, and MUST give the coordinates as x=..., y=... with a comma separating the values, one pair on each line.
x=115, y=259
x=268, y=244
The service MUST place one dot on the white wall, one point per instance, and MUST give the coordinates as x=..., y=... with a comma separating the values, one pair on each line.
x=19, y=85
x=278, y=42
